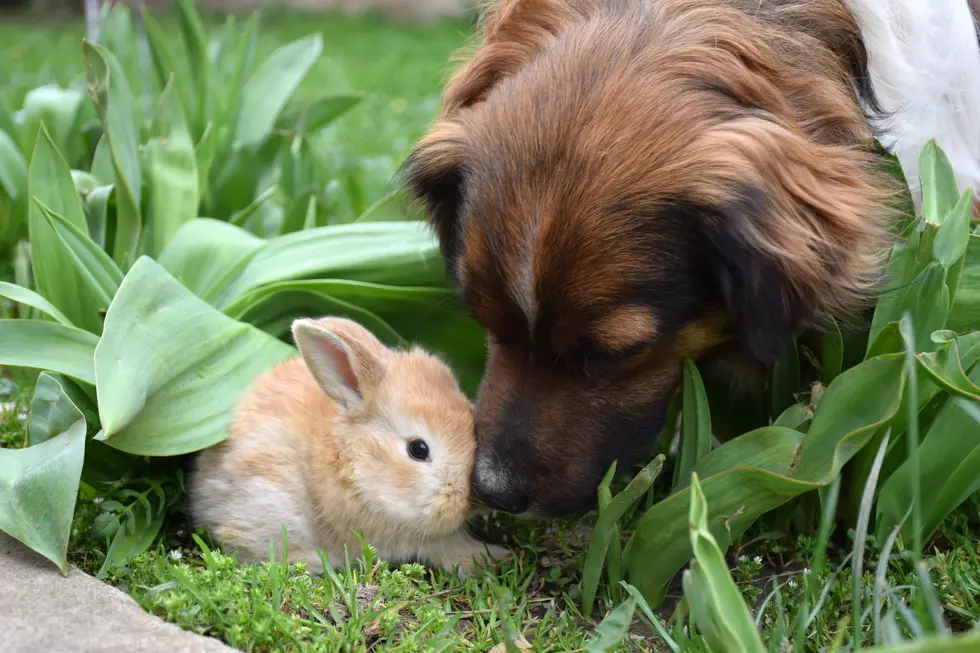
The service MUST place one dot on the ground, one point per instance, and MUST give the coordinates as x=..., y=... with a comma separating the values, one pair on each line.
x=185, y=579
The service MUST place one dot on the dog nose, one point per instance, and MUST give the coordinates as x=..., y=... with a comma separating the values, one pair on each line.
x=499, y=488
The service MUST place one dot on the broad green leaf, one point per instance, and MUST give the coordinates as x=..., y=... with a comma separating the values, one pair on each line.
x=314, y=116
x=50, y=180
x=965, y=313
x=431, y=317
x=605, y=525
x=13, y=168
x=97, y=205
x=204, y=152
x=906, y=264
x=102, y=162
x=30, y=298
x=84, y=182
x=111, y=93
x=613, y=628
x=170, y=368
x=946, y=367
x=945, y=480
x=196, y=41
x=402, y=253
x=268, y=90
x=118, y=36
x=235, y=86
x=888, y=340
x=760, y=471
x=952, y=240
x=695, y=441
x=203, y=251
x=173, y=180
x=793, y=417
x=939, y=189
x=166, y=63
x=66, y=270
x=48, y=346
x=52, y=410
x=832, y=355
x=129, y=542
x=55, y=108
x=38, y=488
x=716, y=603
x=87, y=270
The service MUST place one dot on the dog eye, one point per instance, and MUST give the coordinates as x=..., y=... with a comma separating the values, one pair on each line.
x=418, y=450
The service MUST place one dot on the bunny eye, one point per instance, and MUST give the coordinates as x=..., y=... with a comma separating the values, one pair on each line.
x=418, y=450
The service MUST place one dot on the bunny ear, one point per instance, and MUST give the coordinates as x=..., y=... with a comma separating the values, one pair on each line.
x=343, y=357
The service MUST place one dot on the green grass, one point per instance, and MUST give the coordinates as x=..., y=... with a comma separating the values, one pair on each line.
x=372, y=606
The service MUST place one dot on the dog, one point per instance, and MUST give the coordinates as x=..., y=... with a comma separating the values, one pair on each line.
x=619, y=184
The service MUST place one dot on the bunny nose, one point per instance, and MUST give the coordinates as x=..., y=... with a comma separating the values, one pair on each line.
x=498, y=487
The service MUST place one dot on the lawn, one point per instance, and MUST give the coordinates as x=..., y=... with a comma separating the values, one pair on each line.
x=535, y=600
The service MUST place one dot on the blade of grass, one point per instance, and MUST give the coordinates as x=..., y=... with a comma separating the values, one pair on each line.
x=861, y=537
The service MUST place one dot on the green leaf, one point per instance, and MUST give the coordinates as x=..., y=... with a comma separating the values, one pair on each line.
x=716, y=603
x=965, y=313
x=13, y=168
x=431, y=317
x=170, y=368
x=111, y=94
x=270, y=87
x=204, y=251
x=946, y=367
x=55, y=108
x=89, y=277
x=235, y=86
x=97, y=212
x=52, y=410
x=605, y=526
x=613, y=628
x=166, y=63
x=695, y=441
x=906, y=268
x=30, y=298
x=317, y=114
x=128, y=543
x=173, y=180
x=793, y=417
x=761, y=470
x=204, y=152
x=939, y=188
x=196, y=41
x=832, y=355
x=949, y=470
x=403, y=253
x=102, y=166
x=48, y=346
x=38, y=488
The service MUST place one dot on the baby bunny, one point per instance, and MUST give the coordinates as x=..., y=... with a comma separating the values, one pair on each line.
x=353, y=436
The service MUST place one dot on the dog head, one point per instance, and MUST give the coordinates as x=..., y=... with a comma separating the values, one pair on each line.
x=618, y=187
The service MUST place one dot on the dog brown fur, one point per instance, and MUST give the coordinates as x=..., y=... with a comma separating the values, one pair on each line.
x=617, y=185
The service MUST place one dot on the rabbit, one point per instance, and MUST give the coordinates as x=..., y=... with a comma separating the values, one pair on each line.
x=349, y=436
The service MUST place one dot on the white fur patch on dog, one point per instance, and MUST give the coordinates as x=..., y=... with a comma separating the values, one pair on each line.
x=925, y=67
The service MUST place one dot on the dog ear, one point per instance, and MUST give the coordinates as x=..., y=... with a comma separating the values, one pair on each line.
x=434, y=176
x=752, y=287
x=799, y=237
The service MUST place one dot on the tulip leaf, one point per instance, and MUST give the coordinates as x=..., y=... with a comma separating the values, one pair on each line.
x=170, y=368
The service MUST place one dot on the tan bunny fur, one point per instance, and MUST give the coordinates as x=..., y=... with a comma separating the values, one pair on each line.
x=321, y=448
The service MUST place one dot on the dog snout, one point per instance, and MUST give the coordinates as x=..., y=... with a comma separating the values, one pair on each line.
x=499, y=487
